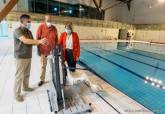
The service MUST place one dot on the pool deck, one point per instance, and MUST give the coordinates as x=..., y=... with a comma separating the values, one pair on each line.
x=107, y=101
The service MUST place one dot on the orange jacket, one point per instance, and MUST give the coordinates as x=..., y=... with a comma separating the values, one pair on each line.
x=49, y=33
x=76, y=44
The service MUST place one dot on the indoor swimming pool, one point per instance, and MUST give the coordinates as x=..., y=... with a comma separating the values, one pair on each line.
x=126, y=69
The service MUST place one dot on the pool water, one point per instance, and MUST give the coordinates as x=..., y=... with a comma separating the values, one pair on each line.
x=126, y=70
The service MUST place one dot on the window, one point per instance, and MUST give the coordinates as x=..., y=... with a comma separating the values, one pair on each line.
x=3, y=30
x=65, y=9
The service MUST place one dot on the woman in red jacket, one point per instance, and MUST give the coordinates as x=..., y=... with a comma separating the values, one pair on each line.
x=71, y=46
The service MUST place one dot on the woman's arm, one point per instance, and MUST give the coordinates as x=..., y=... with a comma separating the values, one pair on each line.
x=60, y=41
x=78, y=46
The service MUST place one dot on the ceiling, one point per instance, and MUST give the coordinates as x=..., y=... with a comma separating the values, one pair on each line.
x=127, y=2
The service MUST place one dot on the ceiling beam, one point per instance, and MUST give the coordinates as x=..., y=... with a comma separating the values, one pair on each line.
x=129, y=5
x=7, y=8
x=98, y=6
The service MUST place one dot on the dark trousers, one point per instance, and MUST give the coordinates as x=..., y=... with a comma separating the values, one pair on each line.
x=70, y=60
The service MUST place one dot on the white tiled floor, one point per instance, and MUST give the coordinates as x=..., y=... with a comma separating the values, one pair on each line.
x=37, y=101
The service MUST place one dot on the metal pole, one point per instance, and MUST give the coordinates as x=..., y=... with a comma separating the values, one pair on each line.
x=34, y=6
x=47, y=8
x=59, y=7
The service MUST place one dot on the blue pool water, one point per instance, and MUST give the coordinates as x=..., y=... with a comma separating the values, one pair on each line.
x=126, y=70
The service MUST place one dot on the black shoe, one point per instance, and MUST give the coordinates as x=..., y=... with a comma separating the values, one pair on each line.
x=40, y=83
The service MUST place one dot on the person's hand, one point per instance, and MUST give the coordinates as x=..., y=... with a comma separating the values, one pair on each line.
x=43, y=41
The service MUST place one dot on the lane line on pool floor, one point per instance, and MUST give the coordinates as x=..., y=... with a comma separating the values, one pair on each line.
x=133, y=59
x=120, y=66
x=93, y=71
x=143, y=55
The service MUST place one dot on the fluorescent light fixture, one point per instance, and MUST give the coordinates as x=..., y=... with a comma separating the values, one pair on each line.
x=55, y=9
x=70, y=11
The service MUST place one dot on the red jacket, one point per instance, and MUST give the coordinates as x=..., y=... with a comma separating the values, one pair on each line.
x=76, y=44
x=47, y=32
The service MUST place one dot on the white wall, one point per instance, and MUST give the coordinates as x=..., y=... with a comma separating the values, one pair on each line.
x=148, y=35
x=22, y=5
x=145, y=12
x=142, y=12
x=84, y=32
x=113, y=13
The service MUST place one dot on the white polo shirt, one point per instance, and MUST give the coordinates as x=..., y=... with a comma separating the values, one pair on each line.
x=69, y=42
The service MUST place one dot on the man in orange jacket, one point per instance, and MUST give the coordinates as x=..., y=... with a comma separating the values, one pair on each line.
x=48, y=31
x=71, y=46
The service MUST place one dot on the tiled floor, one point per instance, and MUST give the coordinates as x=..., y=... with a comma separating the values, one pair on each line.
x=108, y=101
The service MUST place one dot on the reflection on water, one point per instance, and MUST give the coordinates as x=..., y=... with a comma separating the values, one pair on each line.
x=126, y=70
x=124, y=45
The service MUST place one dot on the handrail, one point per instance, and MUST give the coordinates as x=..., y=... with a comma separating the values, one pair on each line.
x=7, y=8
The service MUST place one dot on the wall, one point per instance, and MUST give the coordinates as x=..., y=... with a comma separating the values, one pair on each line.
x=113, y=13
x=86, y=28
x=150, y=32
x=149, y=17
x=22, y=5
x=148, y=35
x=142, y=12
x=145, y=12
x=84, y=32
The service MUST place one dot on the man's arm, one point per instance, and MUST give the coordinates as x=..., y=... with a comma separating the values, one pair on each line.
x=33, y=42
